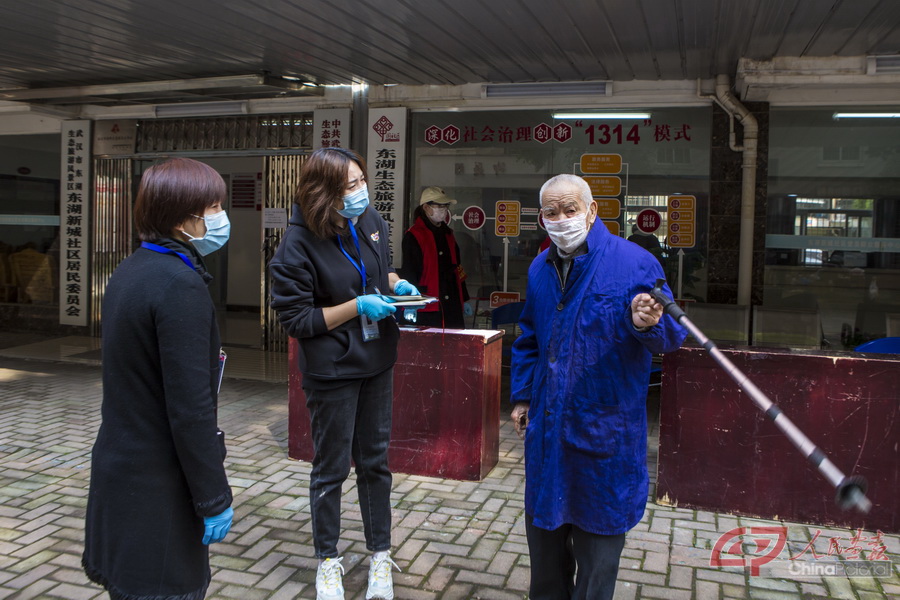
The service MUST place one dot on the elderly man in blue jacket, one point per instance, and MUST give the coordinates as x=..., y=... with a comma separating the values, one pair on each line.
x=580, y=371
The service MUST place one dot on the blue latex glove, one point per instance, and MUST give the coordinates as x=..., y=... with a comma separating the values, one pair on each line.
x=216, y=528
x=468, y=310
x=374, y=306
x=405, y=288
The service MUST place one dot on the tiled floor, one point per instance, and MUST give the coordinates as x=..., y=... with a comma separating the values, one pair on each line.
x=452, y=539
x=243, y=362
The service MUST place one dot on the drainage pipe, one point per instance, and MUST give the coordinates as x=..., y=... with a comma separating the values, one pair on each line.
x=748, y=182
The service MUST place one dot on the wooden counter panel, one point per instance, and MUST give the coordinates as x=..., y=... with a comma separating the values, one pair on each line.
x=718, y=452
x=446, y=417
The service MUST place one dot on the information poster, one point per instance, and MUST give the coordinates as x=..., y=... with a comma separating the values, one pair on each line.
x=331, y=128
x=682, y=221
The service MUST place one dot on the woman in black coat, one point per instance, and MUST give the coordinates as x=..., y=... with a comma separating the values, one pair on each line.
x=328, y=275
x=158, y=493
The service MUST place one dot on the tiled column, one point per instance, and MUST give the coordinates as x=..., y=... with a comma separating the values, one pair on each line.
x=725, y=207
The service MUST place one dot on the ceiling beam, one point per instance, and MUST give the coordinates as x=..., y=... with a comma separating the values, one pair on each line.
x=172, y=85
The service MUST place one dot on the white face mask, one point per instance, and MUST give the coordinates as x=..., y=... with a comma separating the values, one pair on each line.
x=438, y=214
x=568, y=234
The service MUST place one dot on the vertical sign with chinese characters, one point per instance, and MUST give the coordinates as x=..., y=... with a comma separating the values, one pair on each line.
x=74, y=223
x=682, y=217
x=507, y=218
x=605, y=189
x=387, y=170
x=331, y=128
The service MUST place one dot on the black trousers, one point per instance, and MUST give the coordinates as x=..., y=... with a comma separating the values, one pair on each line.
x=353, y=420
x=571, y=564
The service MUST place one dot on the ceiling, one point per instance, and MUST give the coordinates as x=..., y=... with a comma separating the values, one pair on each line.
x=106, y=51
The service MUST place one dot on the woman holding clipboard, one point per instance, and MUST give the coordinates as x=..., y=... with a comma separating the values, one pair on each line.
x=328, y=276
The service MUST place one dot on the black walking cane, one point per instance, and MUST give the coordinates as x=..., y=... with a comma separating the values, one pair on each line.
x=851, y=491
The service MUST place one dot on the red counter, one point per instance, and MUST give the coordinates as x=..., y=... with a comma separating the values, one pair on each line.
x=718, y=452
x=446, y=418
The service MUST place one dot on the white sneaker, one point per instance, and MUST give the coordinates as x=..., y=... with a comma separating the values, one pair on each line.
x=381, y=581
x=329, y=585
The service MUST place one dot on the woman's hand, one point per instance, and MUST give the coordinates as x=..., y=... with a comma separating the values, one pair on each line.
x=216, y=528
x=405, y=288
x=374, y=306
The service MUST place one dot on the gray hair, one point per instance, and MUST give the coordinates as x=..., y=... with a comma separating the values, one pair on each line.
x=571, y=181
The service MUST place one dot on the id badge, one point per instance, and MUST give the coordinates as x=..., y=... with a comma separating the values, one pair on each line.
x=369, y=329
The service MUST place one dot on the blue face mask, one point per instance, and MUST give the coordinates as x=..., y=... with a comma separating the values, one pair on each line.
x=218, y=228
x=355, y=203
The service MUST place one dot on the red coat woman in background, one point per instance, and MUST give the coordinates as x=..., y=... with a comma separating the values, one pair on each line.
x=431, y=262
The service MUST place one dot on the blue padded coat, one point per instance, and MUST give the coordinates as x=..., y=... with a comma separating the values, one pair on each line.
x=584, y=368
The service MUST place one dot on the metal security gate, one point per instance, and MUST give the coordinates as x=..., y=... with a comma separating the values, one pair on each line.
x=282, y=174
x=111, y=227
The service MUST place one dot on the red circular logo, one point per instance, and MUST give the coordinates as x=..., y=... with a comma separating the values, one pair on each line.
x=648, y=220
x=473, y=217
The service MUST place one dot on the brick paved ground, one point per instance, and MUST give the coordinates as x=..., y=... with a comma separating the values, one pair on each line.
x=452, y=539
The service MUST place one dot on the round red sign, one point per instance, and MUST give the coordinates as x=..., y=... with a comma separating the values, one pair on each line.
x=648, y=220
x=473, y=218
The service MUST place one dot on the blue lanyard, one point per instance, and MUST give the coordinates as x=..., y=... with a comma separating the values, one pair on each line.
x=361, y=267
x=164, y=250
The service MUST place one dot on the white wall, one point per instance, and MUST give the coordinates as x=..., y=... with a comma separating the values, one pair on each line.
x=25, y=122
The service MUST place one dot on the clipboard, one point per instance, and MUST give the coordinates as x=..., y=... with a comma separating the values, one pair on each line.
x=409, y=301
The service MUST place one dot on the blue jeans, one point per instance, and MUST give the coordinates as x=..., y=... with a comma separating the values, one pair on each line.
x=556, y=554
x=353, y=420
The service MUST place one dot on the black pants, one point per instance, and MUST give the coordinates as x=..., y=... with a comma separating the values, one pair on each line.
x=557, y=555
x=353, y=420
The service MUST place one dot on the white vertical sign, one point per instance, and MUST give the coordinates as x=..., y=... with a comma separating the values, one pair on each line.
x=387, y=169
x=331, y=128
x=74, y=223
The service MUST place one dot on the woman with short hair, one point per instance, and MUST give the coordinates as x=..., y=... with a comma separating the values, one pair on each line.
x=158, y=493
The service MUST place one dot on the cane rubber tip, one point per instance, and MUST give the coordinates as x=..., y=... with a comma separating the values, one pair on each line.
x=851, y=493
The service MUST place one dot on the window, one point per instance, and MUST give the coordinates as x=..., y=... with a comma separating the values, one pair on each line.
x=847, y=156
x=833, y=234
x=29, y=240
x=481, y=158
